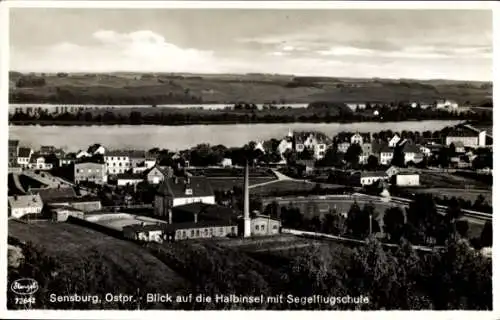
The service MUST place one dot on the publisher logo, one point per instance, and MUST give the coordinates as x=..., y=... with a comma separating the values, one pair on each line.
x=25, y=286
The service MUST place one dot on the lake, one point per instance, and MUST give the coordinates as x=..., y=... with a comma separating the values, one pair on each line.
x=145, y=137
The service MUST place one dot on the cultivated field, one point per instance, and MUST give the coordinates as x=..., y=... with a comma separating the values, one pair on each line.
x=260, y=88
x=448, y=180
x=70, y=243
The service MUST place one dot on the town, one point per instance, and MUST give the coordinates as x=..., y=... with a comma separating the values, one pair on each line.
x=157, y=196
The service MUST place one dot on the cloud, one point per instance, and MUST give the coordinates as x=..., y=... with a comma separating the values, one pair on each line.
x=141, y=50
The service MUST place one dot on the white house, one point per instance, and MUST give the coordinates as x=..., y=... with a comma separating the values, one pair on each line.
x=117, y=161
x=357, y=138
x=446, y=104
x=408, y=179
x=393, y=142
x=316, y=141
x=285, y=144
x=369, y=178
x=260, y=146
x=158, y=174
x=124, y=179
x=425, y=151
x=412, y=153
x=20, y=206
x=23, y=157
x=83, y=154
x=37, y=162
x=96, y=149
x=226, y=162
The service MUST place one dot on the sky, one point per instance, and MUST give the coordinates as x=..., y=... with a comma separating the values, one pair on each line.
x=419, y=44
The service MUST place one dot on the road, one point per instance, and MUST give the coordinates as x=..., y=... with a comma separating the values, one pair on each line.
x=279, y=177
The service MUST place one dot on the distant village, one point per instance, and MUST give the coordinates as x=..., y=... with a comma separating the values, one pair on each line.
x=64, y=186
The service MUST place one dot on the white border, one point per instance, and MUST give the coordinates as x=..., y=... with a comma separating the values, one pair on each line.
x=4, y=55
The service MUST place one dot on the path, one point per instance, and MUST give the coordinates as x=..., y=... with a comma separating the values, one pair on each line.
x=279, y=177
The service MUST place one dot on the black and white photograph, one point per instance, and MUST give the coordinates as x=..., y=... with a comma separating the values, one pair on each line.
x=275, y=157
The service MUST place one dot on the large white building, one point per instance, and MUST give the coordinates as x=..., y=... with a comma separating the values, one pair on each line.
x=23, y=157
x=37, y=162
x=90, y=172
x=316, y=141
x=446, y=104
x=407, y=179
x=120, y=161
x=20, y=206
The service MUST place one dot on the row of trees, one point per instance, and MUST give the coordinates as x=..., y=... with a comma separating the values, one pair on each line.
x=225, y=116
x=420, y=224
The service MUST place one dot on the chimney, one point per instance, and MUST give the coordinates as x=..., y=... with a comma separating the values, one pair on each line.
x=246, y=205
x=169, y=216
x=196, y=218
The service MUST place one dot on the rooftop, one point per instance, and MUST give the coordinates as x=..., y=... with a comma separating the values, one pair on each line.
x=176, y=187
x=373, y=174
x=206, y=211
x=24, y=152
x=200, y=224
x=25, y=201
x=51, y=194
x=129, y=176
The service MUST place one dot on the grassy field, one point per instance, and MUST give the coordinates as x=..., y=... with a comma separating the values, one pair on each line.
x=69, y=243
x=447, y=180
x=230, y=182
x=260, y=88
x=288, y=186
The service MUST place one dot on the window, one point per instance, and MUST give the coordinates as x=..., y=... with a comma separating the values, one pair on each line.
x=197, y=232
x=221, y=230
x=233, y=229
x=119, y=164
x=192, y=233
x=206, y=232
x=77, y=170
x=262, y=227
x=256, y=227
x=184, y=233
x=275, y=227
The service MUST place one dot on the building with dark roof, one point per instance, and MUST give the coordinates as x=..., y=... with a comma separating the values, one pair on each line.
x=316, y=141
x=368, y=178
x=178, y=191
x=50, y=195
x=158, y=174
x=24, y=156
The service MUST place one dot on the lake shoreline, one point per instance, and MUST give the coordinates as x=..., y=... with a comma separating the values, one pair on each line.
x=185, y=136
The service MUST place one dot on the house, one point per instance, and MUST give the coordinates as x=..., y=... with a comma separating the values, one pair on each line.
x=67, y=160
x=393, y=170
x=264, y=225
x=357, y=138
x=50, y=195
x=286, y=144
x=412, y=153
x=459, y=147
x=90, y=172
x=82, y=154
x=368, y=178
x=226, y=162
x=393, y=142
x=201, y=220
x=468, y=136
x=150, y=162
x=124, y=179
x=307, y=164
x=366, y=152
x=383, y=152
x=61, y=213
x=119, y=161
x=23, y=158
x=145, y=232
x=178, y=191
x=37, y=161
x=343, y=146
x=446, y=104
x=158, y=174
x=13, y=152
x=316, y=141
x=200, y=230
x=96, y=149
x=85, y=203
x=407, y=179
x=47, y=150
x=260, y=146
x=137, y=158
x=426, y=151
x=19, y=206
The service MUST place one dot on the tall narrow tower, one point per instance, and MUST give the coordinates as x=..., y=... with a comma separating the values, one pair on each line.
x=246, y=206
